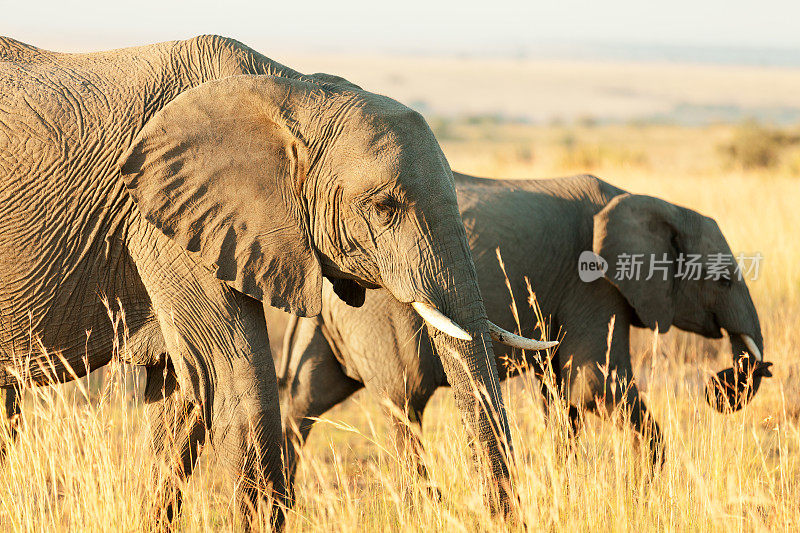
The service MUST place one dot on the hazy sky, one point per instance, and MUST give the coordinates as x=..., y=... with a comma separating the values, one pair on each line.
x=411, y=25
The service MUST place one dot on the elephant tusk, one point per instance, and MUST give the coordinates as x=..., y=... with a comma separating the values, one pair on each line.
x=510, y=339
x=437, y=320
x=752, y=348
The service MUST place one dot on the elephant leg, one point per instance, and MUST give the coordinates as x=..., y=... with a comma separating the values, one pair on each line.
x=575, y=421
x=177, y=436
x=623, y=393
x=409, y=446
x=12, y=411
x=553, y=393
x=407, y=439
x=246, y=423
x=217, y=340
x=646, y=427
x=313, y=383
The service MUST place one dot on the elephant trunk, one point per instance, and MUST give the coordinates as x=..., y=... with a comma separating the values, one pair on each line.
x=446, y=295
x=471, y=370
x=732, y=388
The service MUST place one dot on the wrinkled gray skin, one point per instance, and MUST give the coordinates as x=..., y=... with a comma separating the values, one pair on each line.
x=190, y=182
x=541, y=227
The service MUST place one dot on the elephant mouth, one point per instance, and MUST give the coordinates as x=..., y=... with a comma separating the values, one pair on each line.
x=714, y=330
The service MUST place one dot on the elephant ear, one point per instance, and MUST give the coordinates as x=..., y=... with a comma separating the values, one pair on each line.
x=641, y=230
x=219, y=170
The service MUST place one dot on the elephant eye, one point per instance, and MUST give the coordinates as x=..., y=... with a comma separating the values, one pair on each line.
x=388, y=208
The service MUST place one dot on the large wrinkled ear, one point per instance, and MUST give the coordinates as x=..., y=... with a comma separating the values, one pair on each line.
x=219, y=170
x=641, y=230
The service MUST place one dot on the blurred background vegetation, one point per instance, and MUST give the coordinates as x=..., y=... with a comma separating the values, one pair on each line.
x=589, y=145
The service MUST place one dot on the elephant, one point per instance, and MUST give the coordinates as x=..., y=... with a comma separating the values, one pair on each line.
x=192, y=183
x=541, y=228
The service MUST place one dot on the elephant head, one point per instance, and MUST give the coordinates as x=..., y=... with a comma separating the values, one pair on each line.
x=687, y=277
x=275, y=183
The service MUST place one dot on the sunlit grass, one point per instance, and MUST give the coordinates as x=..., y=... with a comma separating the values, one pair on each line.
x=81, y=462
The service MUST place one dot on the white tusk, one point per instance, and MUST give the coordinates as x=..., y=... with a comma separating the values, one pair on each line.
x=510, y=339
x=752, y=348
x=436, y=319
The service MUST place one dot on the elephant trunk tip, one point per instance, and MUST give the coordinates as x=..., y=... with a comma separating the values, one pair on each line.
x=731, y=389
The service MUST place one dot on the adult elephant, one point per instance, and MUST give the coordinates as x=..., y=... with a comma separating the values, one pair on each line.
x=190, y=182
x=541, y=228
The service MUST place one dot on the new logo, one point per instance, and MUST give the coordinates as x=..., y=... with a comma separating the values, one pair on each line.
x=591, y=266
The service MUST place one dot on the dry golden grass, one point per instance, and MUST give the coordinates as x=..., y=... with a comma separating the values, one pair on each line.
x=81, y=460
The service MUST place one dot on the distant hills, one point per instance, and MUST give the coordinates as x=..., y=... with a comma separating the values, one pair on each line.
x=685, y=86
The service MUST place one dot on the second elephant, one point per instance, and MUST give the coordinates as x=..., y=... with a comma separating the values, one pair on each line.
x=541, y=228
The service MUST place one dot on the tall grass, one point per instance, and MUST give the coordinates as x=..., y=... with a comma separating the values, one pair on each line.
x=81, y=461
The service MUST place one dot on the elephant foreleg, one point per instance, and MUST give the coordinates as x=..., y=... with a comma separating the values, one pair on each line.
x=551, y=386
x=645, y=426
x=217, y=341
x=246, y=423
x=177, y=435
x=622, y=393
x=575, y=421
x=12, y=412
x=312, y=384
x=410, y=449
x=407, y=440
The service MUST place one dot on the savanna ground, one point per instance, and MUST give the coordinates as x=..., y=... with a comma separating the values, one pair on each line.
x=81, y=460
